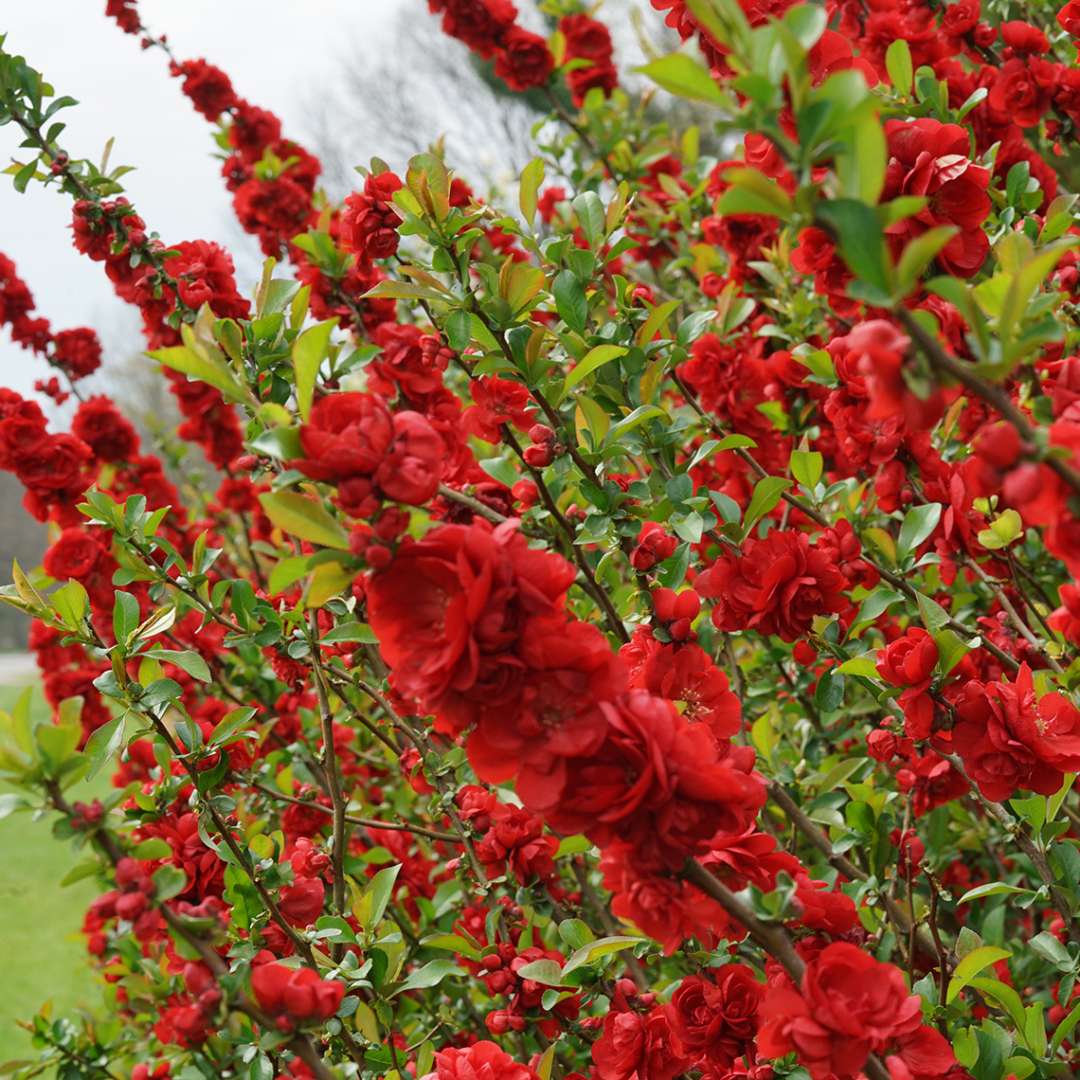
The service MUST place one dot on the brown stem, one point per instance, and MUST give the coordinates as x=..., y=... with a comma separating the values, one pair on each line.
x=994, y=395
x=1028, y=846
x=773, y=939
x=363, y=822
x=333, y=778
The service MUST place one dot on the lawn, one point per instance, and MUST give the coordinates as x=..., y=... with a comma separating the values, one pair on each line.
x=43, y=954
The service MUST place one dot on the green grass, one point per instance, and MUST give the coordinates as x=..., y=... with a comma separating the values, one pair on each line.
x=41, y=951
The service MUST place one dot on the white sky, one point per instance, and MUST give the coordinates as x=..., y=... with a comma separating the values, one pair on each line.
x=276, y=52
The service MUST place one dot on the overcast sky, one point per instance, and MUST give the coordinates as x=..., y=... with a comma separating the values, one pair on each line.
x=278, y=54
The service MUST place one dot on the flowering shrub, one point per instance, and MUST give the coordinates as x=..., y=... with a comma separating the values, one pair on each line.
x=635, y=634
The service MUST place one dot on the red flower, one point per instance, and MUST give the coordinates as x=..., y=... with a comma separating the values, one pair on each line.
x=1022, y=37
x=1066, y=619
x=302, y=902
x=209, y=88
x=1069, y=18
x=1018, y=94
x=369, y=221
x=1008, y=740
x=347, y=435
x=654, y=545
x=657, y=782
x=669, y=910
x=411, y=360
x=412, y=467
x=101, y=426
x=58, y=464
x=586, y=37
x=77, y=351
x=814, y=252
x=498, y=401
x=960, y=18
x=634, y=1047
x=204, y=275
x=910, y=662
x=686, y=674
x=482, y=1061
x=931, y=159
x=515, y=838
x=74, y=554
x=716, y=1018
x=850, y=1005
x=567, y=667
x=524, y=60
x=481, y=24
x=450, y=613
x=293, y=995
x=776, y=586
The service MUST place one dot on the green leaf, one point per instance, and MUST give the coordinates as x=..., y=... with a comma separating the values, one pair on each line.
x=859, y=665
x=204, y=366
x=655, y=320
x=532, y=176
x=860, y=239
x=1049, y=948
x=186, y=659
x=593, y=359
x=684, y=77
x=877, y=603
x=71, y=603
x=634, y=419
x=597, y=950
x=570, y=301
x=919, y=523
x=920, y=252
x=573, y=845
x=807, y=467
x=1006, y=996
x=971, y=965
x=1064, y=1029
x=767, y=493
x=104, y=742
x=861, y=170
x=351, y=631
x=951, y=649
x=991, y=888
x=305, y=518
x=287, y=572
x=308, y=352
x=169, y=881
x=125, y=616
x=154, y=848
x=431, y=974
x=899, y=66
x=546, y=972
x=736, y=442
x=454, y=943
x=1007, y=527
x=10, y=801
x=232, y=722
x=372, y=902
x=590, y=215
x=79, y=872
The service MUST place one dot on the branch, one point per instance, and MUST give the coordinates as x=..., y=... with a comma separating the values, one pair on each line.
x=994, y=395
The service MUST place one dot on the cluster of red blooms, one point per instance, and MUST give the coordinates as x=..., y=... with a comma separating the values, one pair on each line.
x=272, y=179
x=164, y=283
x=521, y=58
x=640, y=749
x=76, y=353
